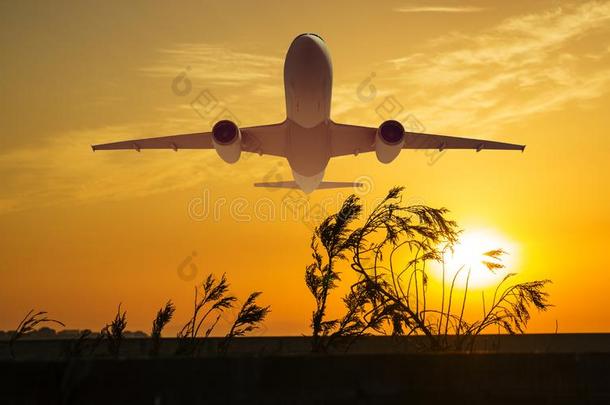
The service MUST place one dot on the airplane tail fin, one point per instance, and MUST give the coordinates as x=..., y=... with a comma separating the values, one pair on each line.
x=322, y=185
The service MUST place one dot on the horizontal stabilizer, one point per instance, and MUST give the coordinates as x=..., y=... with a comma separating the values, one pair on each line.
x=339, y=184
x=278, y=184
x=322, y=185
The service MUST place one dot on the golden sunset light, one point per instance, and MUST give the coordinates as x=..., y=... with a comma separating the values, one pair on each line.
x=304, y=202
x=469, y=255
x=83, y=231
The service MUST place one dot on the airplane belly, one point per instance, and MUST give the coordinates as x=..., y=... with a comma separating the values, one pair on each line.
x=308, y=148
x=308, y=81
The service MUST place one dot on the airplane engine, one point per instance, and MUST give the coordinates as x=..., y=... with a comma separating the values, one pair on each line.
x=389, y=140
x=226, y=139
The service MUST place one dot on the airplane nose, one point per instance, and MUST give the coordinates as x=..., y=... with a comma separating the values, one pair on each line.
x=307, y=47
x=307, y=39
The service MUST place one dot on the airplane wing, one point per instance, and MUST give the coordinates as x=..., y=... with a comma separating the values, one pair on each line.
x=353, y=139
x=263, y=139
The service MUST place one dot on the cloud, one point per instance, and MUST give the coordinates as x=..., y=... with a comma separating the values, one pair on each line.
x=216, y=64
x=64, y=170
x=233, y=78
x=439, y=9
x=466, y=84
x=476, y=83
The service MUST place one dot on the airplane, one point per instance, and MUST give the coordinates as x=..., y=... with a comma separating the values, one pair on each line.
x=308, y=138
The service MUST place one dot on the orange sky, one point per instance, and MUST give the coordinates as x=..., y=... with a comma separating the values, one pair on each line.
x=81, y=232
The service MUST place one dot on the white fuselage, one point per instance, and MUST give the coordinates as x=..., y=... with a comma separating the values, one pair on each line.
x=308, y=78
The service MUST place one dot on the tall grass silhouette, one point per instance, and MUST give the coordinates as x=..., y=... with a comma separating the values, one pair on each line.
x=391, y=298
x=164, y=316
x=28, y=325
x=249, y=318
x=113, y=332
x=211, y=300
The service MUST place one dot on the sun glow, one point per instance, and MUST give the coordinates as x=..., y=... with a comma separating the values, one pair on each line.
x=469, y=255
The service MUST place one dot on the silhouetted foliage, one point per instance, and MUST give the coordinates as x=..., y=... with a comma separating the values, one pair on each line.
x=249, y=318
x=387, y=298
x=113, y=332
x=214, y=298
x=164, y=316
x=321, y=276
x=28, y=325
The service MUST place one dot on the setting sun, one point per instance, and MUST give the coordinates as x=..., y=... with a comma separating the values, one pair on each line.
x=469, y=254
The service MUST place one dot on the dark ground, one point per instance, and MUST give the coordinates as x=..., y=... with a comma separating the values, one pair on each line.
x=540, y=369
